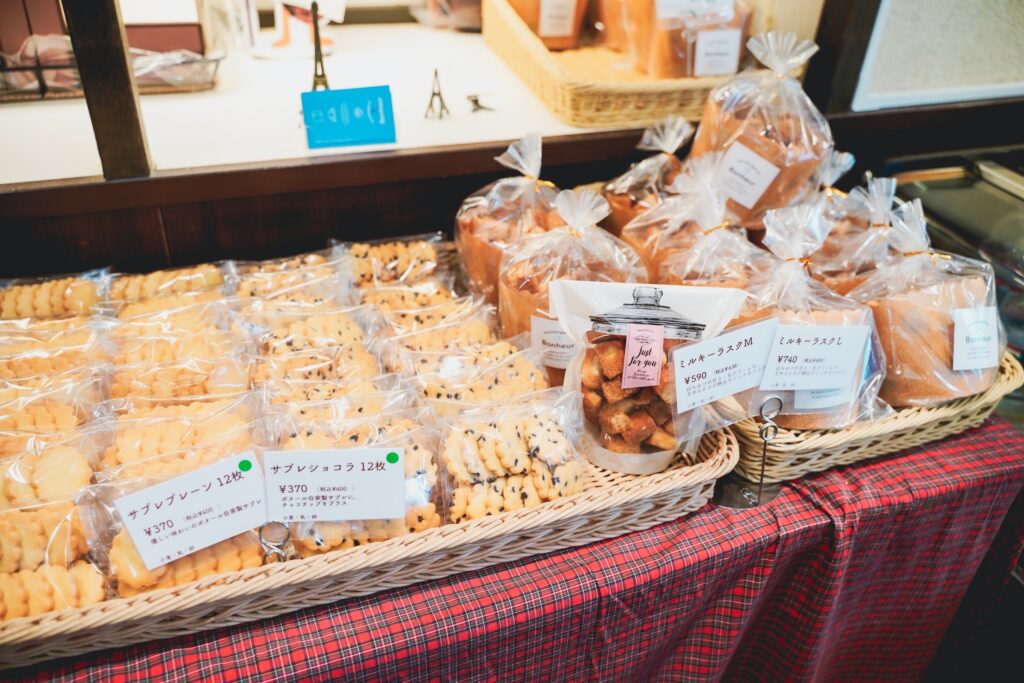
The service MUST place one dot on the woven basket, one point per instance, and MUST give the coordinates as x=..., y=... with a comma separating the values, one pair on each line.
x=571, y=84
x=795, y=453
x=610, y=505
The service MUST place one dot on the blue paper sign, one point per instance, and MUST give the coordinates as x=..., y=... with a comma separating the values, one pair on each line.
x=356, y=116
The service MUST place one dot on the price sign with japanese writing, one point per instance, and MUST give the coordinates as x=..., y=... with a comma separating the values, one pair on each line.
x=722, y=366
x=814, y=356
x=195, y=510
x=337, y=484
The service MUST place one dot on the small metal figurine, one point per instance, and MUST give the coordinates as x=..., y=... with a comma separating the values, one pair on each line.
x=319, y=75
x=733, y=490
x=477, y=105
x=436, y=109
x=274, y=538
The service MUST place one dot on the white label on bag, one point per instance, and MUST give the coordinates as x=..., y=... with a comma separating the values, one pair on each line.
x=179, y=516
x=557, y=18
x=717, y=52
x=744, y=175
x=732, y=362
x=675, y=9
x=975, y=338
x=548, y=337
x=816, y=399
x=814, y=356
x=336, y=484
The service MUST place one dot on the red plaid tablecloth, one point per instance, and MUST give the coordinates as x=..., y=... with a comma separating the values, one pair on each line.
x=853, y=574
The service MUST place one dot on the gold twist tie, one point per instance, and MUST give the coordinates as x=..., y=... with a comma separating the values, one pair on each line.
x=720, y=226
x=537, y=182
x=935, y=255
x=805, y=261
x=831, y=192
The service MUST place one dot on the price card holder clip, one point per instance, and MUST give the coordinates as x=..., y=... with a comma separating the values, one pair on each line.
x=275, y=539
x=734, y=491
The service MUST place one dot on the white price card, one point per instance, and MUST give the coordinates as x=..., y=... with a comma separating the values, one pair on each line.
x=195, y=510
x=814, y=356
x=548, y=337
x=975, y=338
x=817, y=399
x=732, y=362
x=336, y=484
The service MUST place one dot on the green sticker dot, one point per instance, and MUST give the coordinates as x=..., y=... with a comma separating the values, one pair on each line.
x=245, y=465
x=392, y=457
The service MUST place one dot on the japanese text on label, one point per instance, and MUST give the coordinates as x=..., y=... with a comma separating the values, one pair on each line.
x=814, y=356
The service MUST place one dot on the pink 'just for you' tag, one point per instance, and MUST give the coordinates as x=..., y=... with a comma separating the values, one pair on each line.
x=641, y=366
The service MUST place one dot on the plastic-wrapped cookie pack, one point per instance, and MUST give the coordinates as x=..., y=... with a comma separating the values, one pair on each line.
x=52, y=297
x=395, y=261
x=625, y=335
x=936, y=317
x=771, y=136
x=496, y=217
x=579, y=251
x=644, y=184
x=789, y=293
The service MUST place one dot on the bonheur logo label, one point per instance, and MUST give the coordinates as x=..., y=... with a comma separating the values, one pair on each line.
x=975, y=338
x=548, y=337
x=744, y=175
x=642, y=359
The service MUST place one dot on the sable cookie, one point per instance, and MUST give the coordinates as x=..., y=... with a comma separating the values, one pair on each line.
x=165, y=282
x=392, y=262
x=419, y=295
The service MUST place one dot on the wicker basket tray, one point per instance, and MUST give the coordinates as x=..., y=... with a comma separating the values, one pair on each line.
x=795, y=453
x=571, y=86
x=611, y=505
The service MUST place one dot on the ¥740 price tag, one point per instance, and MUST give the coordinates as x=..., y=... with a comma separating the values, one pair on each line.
x=814, y=356
x=337, y=484
x=188, y=513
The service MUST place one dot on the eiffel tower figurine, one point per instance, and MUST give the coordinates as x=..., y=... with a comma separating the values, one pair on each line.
x=319, y=75
x=436, y=109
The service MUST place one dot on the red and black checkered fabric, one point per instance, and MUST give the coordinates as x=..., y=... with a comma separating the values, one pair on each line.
x=852, y=574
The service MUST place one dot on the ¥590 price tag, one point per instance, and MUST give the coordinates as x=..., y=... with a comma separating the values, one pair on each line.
x=722, y=366
x=195, y=510
x=337, y=484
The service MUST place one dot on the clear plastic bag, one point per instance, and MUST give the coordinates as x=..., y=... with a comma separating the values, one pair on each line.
x=282, y=329
x=62, y=353
x=171, y=302
x=676, y=40
x=299, y=286
x=642, y=186
x=771, y=136
x=917, y=298
x=325, y=364
x=299, y=391
x=789, y=293
x=189, y=318
x=425, y=496
x=580, y=251
x=460, y=360
x=162, y=283
x=47, y=470
x=355, y=403
x=513, y=456
x=845, y=259
x=42, y=562
x=431, y=292
x=478, y=328
x=52, y=297
x=395, y=261
x=556, y=22
x=497, y=216
x=309, y=259
x=54, y=410
x=399, y=321
x=186, y=378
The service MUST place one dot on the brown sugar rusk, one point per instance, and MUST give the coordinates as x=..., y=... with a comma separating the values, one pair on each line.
x=655, y=243
x=797, y=163
x=43, y=534
x=49, y=299
x=50, y=588
x=391, y=263
x=53, y=472
x=916, y=332
x=130, y=576
x=161, y=283
x=634, y=420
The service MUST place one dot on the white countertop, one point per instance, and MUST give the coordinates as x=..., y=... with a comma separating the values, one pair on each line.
x=255, y=115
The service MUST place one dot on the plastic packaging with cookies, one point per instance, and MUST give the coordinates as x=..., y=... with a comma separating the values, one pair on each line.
x=48, y=406
x=57, y=296
x=396, y=260
x=127, y=288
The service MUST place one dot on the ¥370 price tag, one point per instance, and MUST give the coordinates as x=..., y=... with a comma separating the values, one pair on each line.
x=195, y=510
x=722, y=366
x=814, y=356
x=336, y=484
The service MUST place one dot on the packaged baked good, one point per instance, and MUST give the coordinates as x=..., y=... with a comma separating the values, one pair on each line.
x=309, y=259
x=789, y=293
x=56, y=354
x=399, y=321
x=834, y=166
x=197, y=376
x=698, y=38
x=351, y=400
x=52, y=297
x=556, y=22
x=642, y=186
x=326, y=364
x=474, y=329
x=315, y=279
x=395, y=261
x=43, y=565
x=512, y=456
x=138, y=309
x=610, y=24
x=303, y=390
x=497, y=216
x=845, y=259
x=46, y=471
x=162, y=283
x=580, y=251
x=771, y=136
x=936, y=317
x=624, y=335
x=670, y=227
x=430, y=292
x=423, y=496
x=277, y=329
x=53, y=410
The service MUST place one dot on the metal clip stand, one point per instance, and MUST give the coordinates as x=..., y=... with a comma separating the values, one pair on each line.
x=436, y=108
x=734, y=491
x=319, y=74
x=274, y=538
